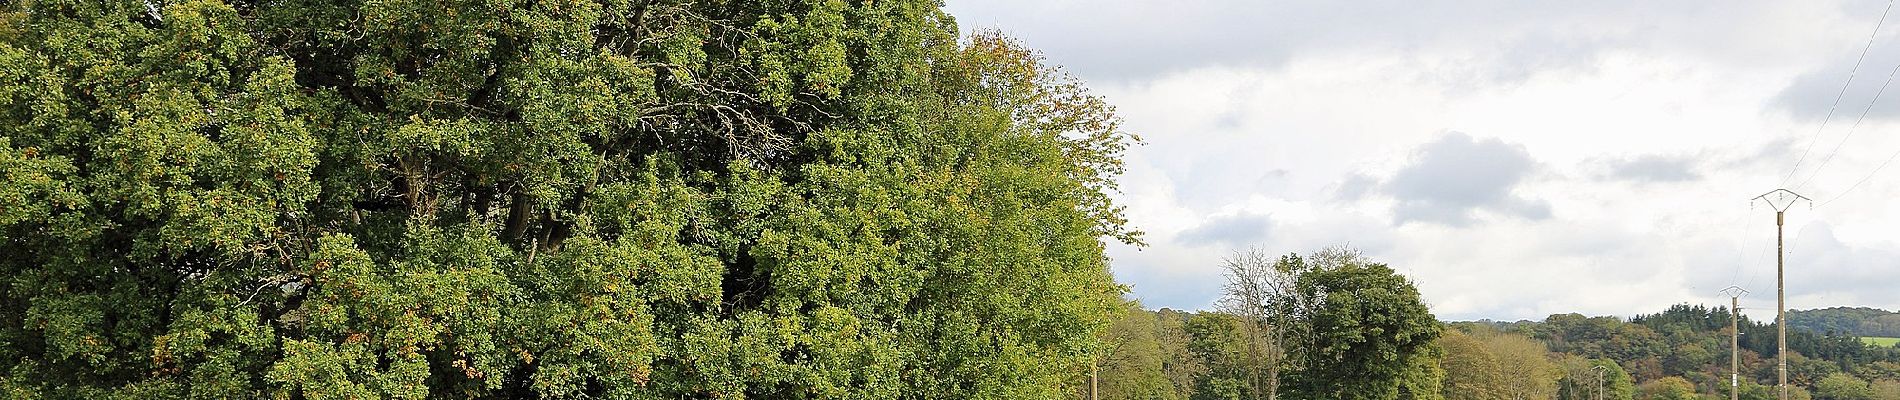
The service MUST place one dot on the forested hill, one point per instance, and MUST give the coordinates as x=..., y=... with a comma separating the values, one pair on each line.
x=1679, y=353
x=1857, y=321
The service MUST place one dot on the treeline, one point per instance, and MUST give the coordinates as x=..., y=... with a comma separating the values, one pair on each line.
x=1330, y=325
x=1690, y=344
x=1858, y=321
x=1680, y=353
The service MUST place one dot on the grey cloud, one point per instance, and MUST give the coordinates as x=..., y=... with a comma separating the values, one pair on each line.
x=1774, y=153
x=1821, y=265
x=1168, y=276
x=1654, y=168
x=1134, y=39
x=1232, y=231
x=1811, y=95
x=1452, y=179
x=1356, y=186
x=1822, y=270
x=1214, y=180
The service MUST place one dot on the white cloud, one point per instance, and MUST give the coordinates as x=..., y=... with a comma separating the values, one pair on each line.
x=1604, y=159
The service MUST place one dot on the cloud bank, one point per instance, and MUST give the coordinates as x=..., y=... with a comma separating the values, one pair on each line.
x=1516, y=159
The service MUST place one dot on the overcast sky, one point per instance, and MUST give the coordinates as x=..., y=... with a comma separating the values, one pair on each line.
x=1516, y=159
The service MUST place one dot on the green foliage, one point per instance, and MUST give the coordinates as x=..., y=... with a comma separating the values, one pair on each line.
x=1146, y=357
x=1667, y=388
x=1858, y=321
x=1471, y=371
x=1222, y=346
x=1425, y=377
x=1879, y=370
x=1885, y=389
x=1482, y=362
x=1370, y=337
x=562, y=199
x=1583, y=378
x=1363, y=333
x=1682, y=351
x=1840, y=386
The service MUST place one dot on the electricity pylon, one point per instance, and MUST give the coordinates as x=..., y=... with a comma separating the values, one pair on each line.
x=1734, y=340
x=1780, y=200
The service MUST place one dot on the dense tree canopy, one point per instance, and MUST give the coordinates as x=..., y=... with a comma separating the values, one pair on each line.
x=1145, y=359
x=1471, y=371
x=1366, y=326
x=1858, y=321
x=332, y=199
x=1341, y=326
x=1679, y=353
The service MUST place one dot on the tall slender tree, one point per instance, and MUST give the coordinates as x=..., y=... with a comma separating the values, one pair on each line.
x=1260, y=290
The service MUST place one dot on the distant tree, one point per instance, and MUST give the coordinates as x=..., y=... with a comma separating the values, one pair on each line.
x=1843, y=320
x=1879, y=370
x=1690, y=357
x=1601, y=337
x=1757, y=391
x=1133, y=367
x=1882, y=326
x=1886, y=389
x=1808, y=372
x=1529, y=373
x=1841, y=386
x=1668, y=388
x=1178, y=365
x=1219, y=344
x=1580, y=380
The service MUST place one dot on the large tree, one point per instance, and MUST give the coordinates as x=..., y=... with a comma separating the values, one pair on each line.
x=332, y=199
x=1472, y=372
x=1529, y=373
x=1364, y=328
x=1840, y=386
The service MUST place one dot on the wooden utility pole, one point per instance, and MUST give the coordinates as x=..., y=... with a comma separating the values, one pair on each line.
x=1095, y=369
x=1600, y=370
x=1780, y=199
x=1734, y=341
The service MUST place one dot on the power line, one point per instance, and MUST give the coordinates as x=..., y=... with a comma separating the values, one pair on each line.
x=1837, y=96
x=1761, y=255
x=1739, y=221
x=1851, y=129
x=1863, y=179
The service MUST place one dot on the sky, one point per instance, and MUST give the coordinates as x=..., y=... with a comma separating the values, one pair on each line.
x=1515, y=159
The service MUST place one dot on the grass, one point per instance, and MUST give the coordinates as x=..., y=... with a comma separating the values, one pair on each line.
x=1881, y=341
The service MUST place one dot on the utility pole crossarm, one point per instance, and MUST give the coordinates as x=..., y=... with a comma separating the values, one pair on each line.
x=1781, y=199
